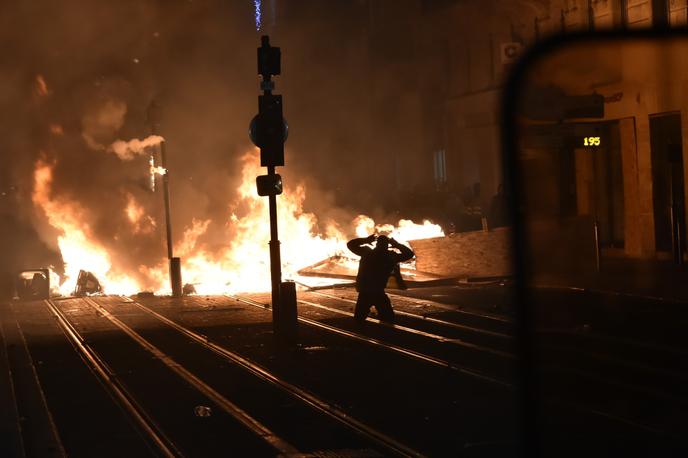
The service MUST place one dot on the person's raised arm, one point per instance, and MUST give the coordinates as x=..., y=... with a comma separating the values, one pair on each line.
x=356, y=245
x=406, y=252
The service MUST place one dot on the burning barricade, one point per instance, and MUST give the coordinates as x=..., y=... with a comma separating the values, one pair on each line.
x=92, y=265
x=87, y=284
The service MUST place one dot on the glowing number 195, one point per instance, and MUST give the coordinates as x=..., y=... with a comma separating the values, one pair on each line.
x=591, y=141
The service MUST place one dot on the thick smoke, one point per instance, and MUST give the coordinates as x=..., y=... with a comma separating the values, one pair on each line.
x=134, y=147
x=76, y=81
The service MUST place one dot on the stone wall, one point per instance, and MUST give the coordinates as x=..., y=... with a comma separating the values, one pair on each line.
x=556, y=247
x=466, y=254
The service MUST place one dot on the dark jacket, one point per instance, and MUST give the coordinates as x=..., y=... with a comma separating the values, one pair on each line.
x=376, y=265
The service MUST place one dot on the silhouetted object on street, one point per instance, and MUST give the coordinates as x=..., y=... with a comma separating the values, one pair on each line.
x=498, y=211
x=86, y=284
x=40, y=286
x=374, y=270
x=33, y=284
x=188, y=289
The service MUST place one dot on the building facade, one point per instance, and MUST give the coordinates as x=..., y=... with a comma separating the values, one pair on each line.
x=450, y=60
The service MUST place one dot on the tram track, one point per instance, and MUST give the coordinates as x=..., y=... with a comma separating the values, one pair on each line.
x=610, y=369
x=386, y=442
x=610, y=384
x=469, y=320
x=480, y=318
x=122, y=312
x=480, y=339
x=428, y=319
x=239, y=414
x=420, y=356
x=146, y=425
x=360, y=403
x=410, y=330
x=351, y=433
x=157, y=410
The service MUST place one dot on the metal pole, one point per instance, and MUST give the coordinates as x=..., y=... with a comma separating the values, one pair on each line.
x=675, y=217
x=624, y=14
x=263, y=131
x=174, y=266
x=166, y=197
x=596, y=231
x=679, y=241
x=275, y=261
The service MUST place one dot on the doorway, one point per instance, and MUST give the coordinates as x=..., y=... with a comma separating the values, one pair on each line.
x=599, y=180
x=667, y=183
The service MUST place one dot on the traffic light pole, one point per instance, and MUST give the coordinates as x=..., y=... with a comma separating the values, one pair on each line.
x=268, y=131
x=275, y=258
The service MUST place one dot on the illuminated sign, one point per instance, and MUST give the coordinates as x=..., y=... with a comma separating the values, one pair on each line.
x=591, y=141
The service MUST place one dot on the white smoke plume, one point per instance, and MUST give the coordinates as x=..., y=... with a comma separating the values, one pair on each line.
x=135, y=147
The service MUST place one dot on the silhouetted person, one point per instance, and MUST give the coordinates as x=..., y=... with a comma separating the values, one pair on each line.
x=498, y=215
x=374, y=269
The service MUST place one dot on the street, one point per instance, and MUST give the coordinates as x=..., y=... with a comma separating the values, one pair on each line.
x=203, y=376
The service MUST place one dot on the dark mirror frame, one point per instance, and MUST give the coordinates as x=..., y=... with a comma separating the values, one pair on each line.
x=525, y=343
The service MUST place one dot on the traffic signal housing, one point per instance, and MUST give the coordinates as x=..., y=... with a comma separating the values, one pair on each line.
x=269, y=185
x=269, y=131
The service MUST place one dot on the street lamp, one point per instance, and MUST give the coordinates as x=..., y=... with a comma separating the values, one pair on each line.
x=174, y=263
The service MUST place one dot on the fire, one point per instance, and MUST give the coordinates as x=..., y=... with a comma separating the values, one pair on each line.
x=154, y=170
x=406, y=229
x=78, y=248
x=242, y=265
x=140, y=222
x=41, y=87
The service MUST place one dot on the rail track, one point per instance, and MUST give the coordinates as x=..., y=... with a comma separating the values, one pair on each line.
x=597, y=377
x=125, y=342
x=610, y=355
x=470, y=320
x=350, y=405
x=346, y=430
x=147, y=426
x=385, y=442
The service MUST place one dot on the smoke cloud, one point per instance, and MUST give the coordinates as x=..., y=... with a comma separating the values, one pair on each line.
x=75, y=87
x=135, y=147
x=102, y=121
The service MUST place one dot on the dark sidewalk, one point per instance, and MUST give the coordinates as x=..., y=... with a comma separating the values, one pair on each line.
x=652, y=279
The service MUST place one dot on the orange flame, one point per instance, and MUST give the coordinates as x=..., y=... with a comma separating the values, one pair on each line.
x=41, y=87
x=240, y=266
x=79, y=249
x=140, y=222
